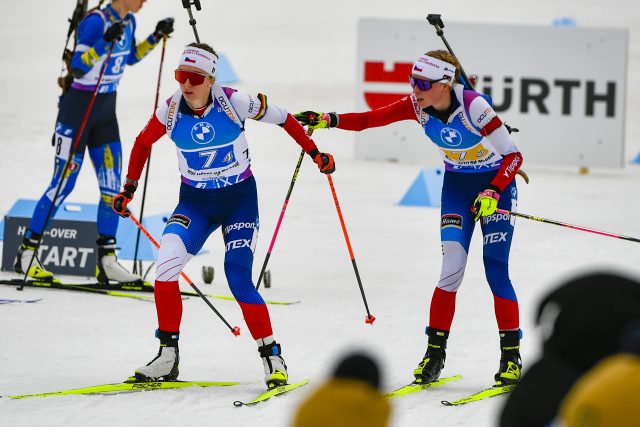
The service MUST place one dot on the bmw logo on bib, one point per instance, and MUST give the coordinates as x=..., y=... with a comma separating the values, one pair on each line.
x=122, y=42
x=202, y=133
x=451, y=137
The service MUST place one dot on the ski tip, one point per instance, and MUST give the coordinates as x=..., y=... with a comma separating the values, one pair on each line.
x=238, y=404
x=446, y=403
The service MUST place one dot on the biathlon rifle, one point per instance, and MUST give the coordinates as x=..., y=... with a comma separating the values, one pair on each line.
x=79, y=12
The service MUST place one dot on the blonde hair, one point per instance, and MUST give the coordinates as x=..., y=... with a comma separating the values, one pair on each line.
x=444, y=55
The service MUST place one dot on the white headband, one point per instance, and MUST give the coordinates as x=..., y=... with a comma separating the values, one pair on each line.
x=199, y=58
x=433, y=69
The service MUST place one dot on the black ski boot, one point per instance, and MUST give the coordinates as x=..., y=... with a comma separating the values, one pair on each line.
x=164, y=367
x=510, y=362
x=429, y=369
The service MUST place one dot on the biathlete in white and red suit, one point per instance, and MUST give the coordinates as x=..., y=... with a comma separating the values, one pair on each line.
x=206, y=123
x=481, y=162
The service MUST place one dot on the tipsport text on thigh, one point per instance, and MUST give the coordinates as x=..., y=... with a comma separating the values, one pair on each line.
x=496, y=217
x=238, y=226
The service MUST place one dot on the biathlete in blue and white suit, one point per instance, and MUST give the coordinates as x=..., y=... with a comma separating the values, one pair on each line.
x=481, y=162
x=115, y=24
x=206, y=123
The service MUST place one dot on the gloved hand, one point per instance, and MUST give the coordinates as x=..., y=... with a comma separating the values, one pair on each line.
x=324, y=161
x=485, y=204
x=164, y=27
x=120, y=202
x=316, y=120
x=114, y=32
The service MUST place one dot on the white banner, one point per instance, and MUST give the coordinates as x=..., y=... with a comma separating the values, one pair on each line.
x=563, y=87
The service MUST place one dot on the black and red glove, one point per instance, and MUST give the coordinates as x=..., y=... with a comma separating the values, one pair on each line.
x=120, y=202
x=325, y=161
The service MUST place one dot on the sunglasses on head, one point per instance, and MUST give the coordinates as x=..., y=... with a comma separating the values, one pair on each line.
x=194, y=78
x=423, y=84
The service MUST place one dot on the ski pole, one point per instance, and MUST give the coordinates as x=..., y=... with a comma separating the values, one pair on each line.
x=369, y=319
x=436, y=21
x=187, y=5
x=564, y=224
x=234, y=330
x=72, y=152
x=284, y=208
x=146, y=173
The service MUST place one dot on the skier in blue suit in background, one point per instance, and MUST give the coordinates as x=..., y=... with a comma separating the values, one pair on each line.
x=96, y=32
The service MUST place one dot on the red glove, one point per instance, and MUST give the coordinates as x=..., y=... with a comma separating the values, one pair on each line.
x=120, y=202
x=324, y=161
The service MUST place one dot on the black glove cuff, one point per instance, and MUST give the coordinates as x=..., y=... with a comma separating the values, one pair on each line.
x=334, y=120
x=313, y=153
x=130, y=185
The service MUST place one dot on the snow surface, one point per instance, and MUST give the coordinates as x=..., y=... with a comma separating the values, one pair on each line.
x=302, y=58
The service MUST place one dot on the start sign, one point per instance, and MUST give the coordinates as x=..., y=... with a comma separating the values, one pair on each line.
x=69, y=244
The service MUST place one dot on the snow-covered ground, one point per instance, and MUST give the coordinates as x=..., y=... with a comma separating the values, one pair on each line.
x=301, y=58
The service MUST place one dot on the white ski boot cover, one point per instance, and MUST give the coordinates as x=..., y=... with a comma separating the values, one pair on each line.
x=164, y=367
x=275, y=370
x=109, y=269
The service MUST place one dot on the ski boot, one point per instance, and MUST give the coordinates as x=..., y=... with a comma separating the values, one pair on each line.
x=108, y=268
x=164, y=367
x=510, y=368
x=23, y=258
x=429, y=368
x=275, y=370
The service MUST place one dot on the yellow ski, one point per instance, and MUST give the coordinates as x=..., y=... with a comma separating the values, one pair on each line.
x=270, y=393
x=413, y=387
x=496, y=390
x=125, y=387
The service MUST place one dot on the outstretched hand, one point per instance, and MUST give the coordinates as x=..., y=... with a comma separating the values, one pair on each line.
x=316, y=120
